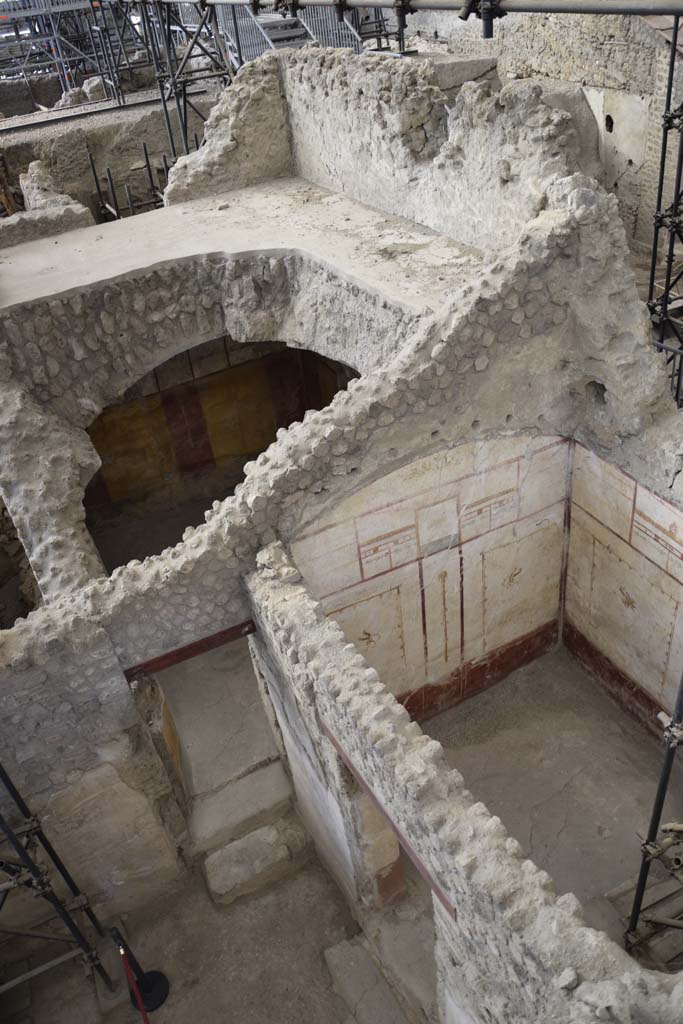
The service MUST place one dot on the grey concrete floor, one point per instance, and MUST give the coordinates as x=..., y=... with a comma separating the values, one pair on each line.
x=258, y=961
x=570, y=774
x=221, y=724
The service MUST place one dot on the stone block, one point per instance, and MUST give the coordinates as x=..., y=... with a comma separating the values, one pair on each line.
x=238, y=808
x=262, y=857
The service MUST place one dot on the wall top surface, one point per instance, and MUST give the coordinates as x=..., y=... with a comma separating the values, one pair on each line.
x=407, y=263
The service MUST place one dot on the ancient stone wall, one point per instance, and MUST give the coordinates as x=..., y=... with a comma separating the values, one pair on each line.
x=113, y=137
x=246, y=138
x=78, y=749
x=541, y=962
x=18, y=97
x=619, y=61
x=476, y=169
x=18, y=589
x=550, y=339
x=48, y=212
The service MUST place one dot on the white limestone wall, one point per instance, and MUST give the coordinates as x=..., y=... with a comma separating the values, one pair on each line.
x=382, y=131
x=561, y=301
x=76, y=748
x=621, y=62
x=246, y=139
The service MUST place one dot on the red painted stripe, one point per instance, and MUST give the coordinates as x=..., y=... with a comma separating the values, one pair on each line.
x=187, y=427
x=407, y=848
x=475, y=676
x=624, y=690
x=225, y=636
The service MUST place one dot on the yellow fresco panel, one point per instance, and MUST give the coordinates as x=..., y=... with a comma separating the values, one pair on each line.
x=138, y=454
x=238, y=410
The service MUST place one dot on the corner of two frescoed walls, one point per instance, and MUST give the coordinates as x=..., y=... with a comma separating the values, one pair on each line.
x=462, y=566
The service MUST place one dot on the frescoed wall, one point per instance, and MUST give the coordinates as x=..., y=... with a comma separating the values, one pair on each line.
x=458, y=568
x=203, y=414
x=448, y=571
x=625, y=580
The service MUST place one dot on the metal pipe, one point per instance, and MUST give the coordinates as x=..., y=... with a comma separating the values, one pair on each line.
x=238, y=42
x=112, y=193
x=23, y=807
x=655, y=819
x=662, y=159
x=47, y=894
x=510, y=6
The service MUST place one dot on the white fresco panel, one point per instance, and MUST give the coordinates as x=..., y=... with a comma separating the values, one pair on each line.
x=543, y=478
x=603, y=491
x=438, y=526
x=522, y=585
x=631, y=617
x=658, y=532
x=488, y=501
x=579, y=571
x=383, y=619
x=328, y=560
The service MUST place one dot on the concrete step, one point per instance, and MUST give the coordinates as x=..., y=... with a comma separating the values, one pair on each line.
x=258, y=859
x=259, y=798
x=364, y=994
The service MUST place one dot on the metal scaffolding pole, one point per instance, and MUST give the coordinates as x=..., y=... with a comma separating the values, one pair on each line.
x=25, y=872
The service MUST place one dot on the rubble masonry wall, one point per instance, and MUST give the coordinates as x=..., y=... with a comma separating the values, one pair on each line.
x=509, y=951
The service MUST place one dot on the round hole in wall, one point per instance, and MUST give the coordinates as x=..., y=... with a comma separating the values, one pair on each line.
x=609, y=123
x=596, y=392
x=509, y=418
x=475, y=424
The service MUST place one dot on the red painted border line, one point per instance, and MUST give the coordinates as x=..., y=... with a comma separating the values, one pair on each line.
x=628, y=544
x=475, y=676
x=636, y=701
x=225, y=636
x=436, y=889
x=414, y=494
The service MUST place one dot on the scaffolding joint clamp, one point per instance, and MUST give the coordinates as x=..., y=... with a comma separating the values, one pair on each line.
x=402, y=8
x=673, y=731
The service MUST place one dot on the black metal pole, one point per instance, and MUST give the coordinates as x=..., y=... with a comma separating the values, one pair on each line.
x=46, y=892
x=157, y=68
x=100, y=196
x=662, y=159
x=238, y=42
x=660, y=797
x=23, y=807
x=112, y=193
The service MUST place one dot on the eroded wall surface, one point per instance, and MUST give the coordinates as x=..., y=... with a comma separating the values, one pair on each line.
x=452, y=571
x=620, y=62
